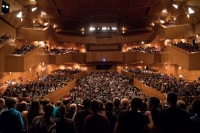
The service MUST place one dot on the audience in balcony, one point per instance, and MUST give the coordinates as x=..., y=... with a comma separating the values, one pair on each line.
x=25, y=49
x=62, y=51
x=46, y=84
x=166, y=83
x=3, y=38
x=67, y=71
x=187, y=46
x=147, y=49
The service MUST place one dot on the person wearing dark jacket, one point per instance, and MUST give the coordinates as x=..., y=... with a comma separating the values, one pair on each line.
x=11, y=119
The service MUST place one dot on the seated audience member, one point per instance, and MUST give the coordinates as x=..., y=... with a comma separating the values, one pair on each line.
x=131, y=121
x=124, y=104
x=80, y=116
x=153, y=104
x=181, y=104
x=2, y=104
x=96, y=123
x=63, y=125
x=195, y=120
x=72, y=110
x=11, y=120
x=112, y=117
x=116, y=103
x=172, y=119
x=44, y=124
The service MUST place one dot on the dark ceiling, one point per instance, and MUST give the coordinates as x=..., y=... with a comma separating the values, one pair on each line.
x=77, y=15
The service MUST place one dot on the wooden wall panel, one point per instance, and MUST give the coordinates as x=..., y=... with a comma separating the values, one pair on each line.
x=180, y=31
x=129, y=57
x=7, y=29
x=194, y=63
x=107, y=55
x=35, y=35
x=145, y=57
x=60, y=59
x=15, y=63
x=59, y=94
x=79, y=58
x=178, y=56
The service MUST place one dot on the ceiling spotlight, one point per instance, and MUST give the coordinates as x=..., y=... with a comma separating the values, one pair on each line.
x=197, y=36
x=103, y=28
x=123, y=28
x=164, y=11
x=33, y=21
x=123, y=32
x=54, y=26
x=142, y=42
x=162, y=21
x=92, y=28
x=21, y=19
x=188, y=16
x=3, y=6
x=175, y=18
x=33, y=9
x=108, y=28
x=82, y=32
x=175, y=6
x=43, y=13
x=45, y=24
x=7, y=6
x=98, y=28
x=152, y=24
x=114, y=28
x=190, y=10
x=19, y=15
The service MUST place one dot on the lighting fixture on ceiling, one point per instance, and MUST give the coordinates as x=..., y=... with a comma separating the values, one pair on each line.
x=19, y=15
x=188, y=16
x=162, y=21
x=123, y=32
x=45, y=24
x=152, y=24
x=33, y=9
x=103, y=28
x=114, y=28
x=175, y=6
x=123, y=28
x=142, y=42
x=43, y=13
x=92, y=28
x=175, y=18
x=54, y=26
x=190, y=10
x=164, y=11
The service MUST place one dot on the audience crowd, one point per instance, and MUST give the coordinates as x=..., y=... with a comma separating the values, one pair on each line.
x=37, y=89
x=62, y=51
x=166, y=83
x=119, y=115
x=25, y=49
x=67, y=71
x=147, y=49
x=3, y=38
x=104, y=86
x=187, y=46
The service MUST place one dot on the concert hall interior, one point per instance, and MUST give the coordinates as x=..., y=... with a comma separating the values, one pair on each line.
x=58, y=43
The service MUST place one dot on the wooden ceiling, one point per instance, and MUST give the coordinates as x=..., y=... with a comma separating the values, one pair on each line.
x=130, y=14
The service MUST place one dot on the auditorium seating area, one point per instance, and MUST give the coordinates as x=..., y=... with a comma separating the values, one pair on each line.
x=166, y=83
x=62, y=51
x=67, y=71
x=105, y=86
x=3, y=38
x=37, y=89
x=25, y=49
x=147, y=49
x=187, y=46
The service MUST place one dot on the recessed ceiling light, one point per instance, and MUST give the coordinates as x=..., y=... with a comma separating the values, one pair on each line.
x=19, y=15
x=162, y=21
x=33, y=9
x=190, y=10
x=175, y=6
x=175, y=18
x=188, y=16
x=92, y=28
x=164, y=11
x=142, y=42
x=103, y=28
